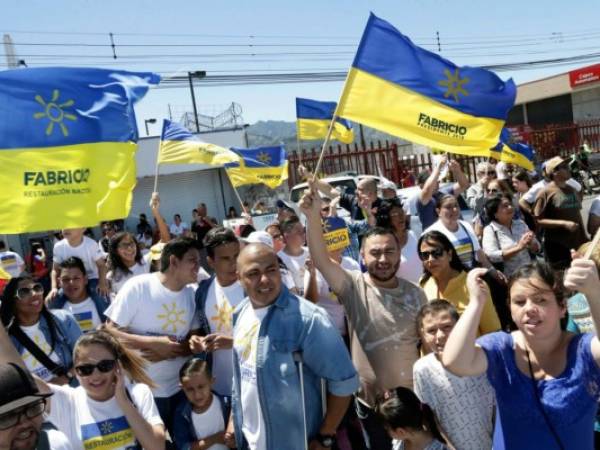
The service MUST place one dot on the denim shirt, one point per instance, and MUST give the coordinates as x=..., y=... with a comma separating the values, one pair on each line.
x=100, y=302
x=67, y=333
x=184, y=433
x=293, y=325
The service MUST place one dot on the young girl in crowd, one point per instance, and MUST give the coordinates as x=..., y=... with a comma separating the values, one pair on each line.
x=200, y=422
x=409, y=422
x=106, y=410
x=45, y=339
x=547, y=380
x=124, y=261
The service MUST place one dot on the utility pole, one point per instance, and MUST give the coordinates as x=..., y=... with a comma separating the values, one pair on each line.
x=197, y=74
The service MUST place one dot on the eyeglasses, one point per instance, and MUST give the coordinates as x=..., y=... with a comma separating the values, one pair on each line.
x=26, y=293
x=30, y=411
x=125, y=245
x=436, y=254
x=493, y=191
x=104, y=366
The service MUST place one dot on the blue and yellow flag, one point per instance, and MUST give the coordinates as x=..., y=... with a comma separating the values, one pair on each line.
x=513, y=152
x=68, y=145
x=266, y=165
x=179, y=146
x=313, y=119
x=401, y=89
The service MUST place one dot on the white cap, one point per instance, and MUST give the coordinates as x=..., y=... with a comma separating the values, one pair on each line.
x=260, y=237
x=387, y=184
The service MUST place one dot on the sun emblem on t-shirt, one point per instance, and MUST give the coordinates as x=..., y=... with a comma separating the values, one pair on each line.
x=245, y=341
x=106, y=428
x=171, y=317
x=223, y=316
x=43, y=345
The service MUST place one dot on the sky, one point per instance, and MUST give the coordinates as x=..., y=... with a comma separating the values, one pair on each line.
x=265, y=36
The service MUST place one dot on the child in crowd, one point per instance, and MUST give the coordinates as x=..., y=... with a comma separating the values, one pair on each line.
x=409, y=422
x=76, y=244
x=201, y=421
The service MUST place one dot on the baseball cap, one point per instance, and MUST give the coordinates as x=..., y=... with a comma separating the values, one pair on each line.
x=17, y=388
x=260, y=237
x=387, y=184
x=552, y=164
x=283, y=204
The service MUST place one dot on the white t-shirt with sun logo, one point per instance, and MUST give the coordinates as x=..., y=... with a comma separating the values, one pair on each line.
x=220, y=303
x=90, y=424
x=245, y=343
x=34, y=366
x=146, y=307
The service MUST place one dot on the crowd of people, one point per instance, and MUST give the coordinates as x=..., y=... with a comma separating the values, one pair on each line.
x=475, y=332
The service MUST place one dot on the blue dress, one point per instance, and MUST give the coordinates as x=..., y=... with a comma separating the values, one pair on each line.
x=570, y=400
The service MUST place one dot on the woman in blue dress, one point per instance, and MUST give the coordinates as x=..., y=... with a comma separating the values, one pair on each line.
x=547, y=380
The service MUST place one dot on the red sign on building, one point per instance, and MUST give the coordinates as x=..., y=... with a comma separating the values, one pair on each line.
x=586, y=75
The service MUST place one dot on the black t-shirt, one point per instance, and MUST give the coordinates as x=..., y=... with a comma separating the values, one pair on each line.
x=201, y=227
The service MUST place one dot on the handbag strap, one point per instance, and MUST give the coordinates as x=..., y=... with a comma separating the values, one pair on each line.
x=541, y=406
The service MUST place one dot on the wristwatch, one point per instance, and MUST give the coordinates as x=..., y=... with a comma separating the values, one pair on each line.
x=326, y=440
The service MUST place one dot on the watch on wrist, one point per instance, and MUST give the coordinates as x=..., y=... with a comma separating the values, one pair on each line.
x=326, y=440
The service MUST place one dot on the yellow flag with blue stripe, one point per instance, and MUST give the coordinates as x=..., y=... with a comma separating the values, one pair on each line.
x=68, y=146
x=313, y=119
x=401, y=89
x=260, y=165
x=513, y=152
x=179, y=146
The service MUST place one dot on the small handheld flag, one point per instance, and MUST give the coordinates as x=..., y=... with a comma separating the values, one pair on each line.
x=266, y=165
x=68, y=146
x=513, y=152
x=313, y=119
x=335, y=233
x=404, y=90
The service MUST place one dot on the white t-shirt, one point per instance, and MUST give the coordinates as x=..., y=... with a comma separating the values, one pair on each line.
x=210, y=422
x=595, y=207
x=11, y=262
x=148, y=308
x=534, y=190
x=58, y=440
x=464, y=406
x=219, y=307
x=117, y=278
x=202, y=275
x=34, y=366
x=89, y=424
x=85, y=313
x=463, y=239
x=411, y=267
x=327, y=299
x=245, y=344
x=88, y=251
x=177, y=230
x=295, y=265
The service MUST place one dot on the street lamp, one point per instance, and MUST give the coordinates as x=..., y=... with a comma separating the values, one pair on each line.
x=146, y=122
x=197, y=74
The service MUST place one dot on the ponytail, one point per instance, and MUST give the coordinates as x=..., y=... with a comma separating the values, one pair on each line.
x=133, y=364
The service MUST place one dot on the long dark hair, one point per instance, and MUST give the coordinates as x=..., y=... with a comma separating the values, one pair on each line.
x=382, y=216
x=401, y=408
x=9, y=317
x=114, y=259
x=439, y=239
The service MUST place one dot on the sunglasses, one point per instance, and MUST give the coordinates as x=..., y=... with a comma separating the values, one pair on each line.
x=25, y=293
x=104, y=366
x=126, y=245
x=12, y=418
x=436, y=254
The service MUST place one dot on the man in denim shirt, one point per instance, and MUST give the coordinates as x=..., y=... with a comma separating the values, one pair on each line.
x=273, y=331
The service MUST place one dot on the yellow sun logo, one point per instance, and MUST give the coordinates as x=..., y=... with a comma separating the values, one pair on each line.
x=106, y=428
x=454, y=84
x=43, y=345
x=264, y=157
x=223, y=317
x=326, y=226
x=171, y=318
x=246, y=340
x=54, y=112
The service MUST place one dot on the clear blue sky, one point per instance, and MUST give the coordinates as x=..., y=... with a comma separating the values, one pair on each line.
x=471, y=32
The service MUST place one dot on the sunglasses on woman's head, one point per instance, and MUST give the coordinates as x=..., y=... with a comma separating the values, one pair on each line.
x=28, y=292
x=436, y=253
x=104, y=366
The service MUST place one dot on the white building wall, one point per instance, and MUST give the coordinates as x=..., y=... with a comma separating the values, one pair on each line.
x=586, y=104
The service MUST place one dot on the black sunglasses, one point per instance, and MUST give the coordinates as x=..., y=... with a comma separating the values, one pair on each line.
x=30, y=411
x=104, y=366
x=26, y=292
x=437, y=253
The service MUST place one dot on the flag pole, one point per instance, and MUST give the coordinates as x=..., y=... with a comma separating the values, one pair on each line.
x=593, y=245
x=325, y=143
x=236, y=192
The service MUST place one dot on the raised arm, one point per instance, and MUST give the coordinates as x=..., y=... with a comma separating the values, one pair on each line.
x=163, y=228
x=461, y=356
x=310, y=205
x=324, y=187
x=462, y=182
x=431, y=184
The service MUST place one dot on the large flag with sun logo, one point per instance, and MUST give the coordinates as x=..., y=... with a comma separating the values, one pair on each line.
x=406, y=91
x=67, y=146
x=266, y=165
